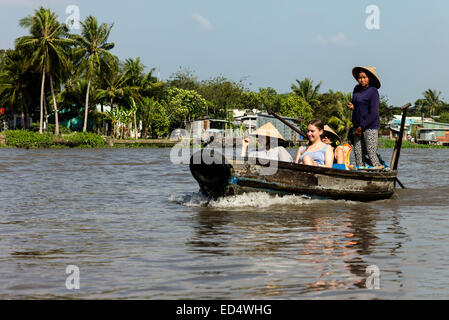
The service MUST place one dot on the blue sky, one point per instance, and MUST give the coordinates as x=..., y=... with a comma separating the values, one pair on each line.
x=272, y=43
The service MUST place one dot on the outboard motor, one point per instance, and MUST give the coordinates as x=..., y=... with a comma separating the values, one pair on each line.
x=210, y=168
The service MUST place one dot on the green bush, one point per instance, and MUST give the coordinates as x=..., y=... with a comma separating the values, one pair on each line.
x=86, y=139
x=390, y=144
x=28, y=139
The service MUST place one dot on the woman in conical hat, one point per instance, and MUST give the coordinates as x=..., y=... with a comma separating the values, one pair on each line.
x=341, y=152
x=331, y=135
x=269, y=138
x=365, y=115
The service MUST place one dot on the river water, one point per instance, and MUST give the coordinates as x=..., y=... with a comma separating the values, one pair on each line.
x=136, y=227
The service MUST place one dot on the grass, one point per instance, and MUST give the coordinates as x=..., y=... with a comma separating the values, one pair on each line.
x=385, y=143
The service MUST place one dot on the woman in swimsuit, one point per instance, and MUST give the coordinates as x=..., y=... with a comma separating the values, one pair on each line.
x=316, y=153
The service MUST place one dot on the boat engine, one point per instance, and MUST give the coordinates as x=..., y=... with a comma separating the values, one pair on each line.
x=210, y=168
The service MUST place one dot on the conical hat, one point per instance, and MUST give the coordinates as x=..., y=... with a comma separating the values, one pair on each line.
x=329, y=129
x=370, y=71
x=268, y=130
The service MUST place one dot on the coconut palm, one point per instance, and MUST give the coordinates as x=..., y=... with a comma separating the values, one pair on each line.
x=307, y=91
x=432, y=100
x=15, y=83
x=115, y=85
x=134, y=69
x=341, y=117
x=48, y=46
x=93, y=52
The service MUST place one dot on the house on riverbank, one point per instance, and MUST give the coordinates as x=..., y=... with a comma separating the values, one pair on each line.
x=244, y=123
x=421, y=130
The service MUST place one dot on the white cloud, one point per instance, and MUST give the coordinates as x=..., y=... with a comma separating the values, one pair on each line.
x=202, y=21
x=337, y=40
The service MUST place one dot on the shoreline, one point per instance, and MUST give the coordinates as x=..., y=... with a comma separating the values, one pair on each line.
x=91, y=140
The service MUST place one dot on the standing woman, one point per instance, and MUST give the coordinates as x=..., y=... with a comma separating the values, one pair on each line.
x=365, y=115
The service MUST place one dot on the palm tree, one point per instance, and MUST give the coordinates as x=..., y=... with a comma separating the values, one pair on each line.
x=134, y=69
x=93, y=52
x=48, y=46
x=14, y=91
x=432, y=100
x=341, y=117
x=307, y=91
x=115, y=85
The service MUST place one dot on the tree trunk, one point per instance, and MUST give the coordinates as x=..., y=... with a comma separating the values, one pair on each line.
x=45, y=115
x=86, y=109
x=135, y=125
x=42, y=99
x=55, y=107
x=22, y=119
x=27, y=117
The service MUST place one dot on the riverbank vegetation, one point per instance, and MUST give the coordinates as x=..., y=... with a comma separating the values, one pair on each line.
x=385, y=143
x=73, y=82
x=30, y=140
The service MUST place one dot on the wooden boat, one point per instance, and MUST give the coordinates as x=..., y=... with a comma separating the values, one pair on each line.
x=234, y=176
x=226, y=176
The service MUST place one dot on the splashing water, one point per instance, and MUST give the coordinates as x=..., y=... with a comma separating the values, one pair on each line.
x=253, y=199
x=258, y=200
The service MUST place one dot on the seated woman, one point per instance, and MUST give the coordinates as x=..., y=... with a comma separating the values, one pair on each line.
x=341, y=152
x=266, y=135
x=331, y=138
x=316, y=153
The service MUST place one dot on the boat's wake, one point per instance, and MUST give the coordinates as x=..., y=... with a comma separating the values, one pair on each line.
x=193, y=199
x=247, y=200
x=258, y=200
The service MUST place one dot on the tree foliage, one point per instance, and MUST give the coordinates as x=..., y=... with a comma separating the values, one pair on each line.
x=79, y=72
x=297, y=107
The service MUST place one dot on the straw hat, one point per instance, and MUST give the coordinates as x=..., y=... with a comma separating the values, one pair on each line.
x=371, y=72
x=329, y=130
x=268, y=130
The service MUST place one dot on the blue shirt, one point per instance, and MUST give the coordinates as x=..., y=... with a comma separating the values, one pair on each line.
x=366, y=108
x=318, y=156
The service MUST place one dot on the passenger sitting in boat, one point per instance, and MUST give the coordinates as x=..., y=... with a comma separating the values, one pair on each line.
x=342, y=152
x=269, y=137
x=331, y=138
x=316, y=153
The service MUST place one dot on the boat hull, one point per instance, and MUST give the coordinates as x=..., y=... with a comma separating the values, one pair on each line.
x=249, y=175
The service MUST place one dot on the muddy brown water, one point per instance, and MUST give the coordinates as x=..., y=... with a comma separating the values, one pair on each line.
x=136, y=227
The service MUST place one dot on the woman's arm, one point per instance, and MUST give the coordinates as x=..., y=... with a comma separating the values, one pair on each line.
x=329, y=157
x=245, y=144
x=298, y=154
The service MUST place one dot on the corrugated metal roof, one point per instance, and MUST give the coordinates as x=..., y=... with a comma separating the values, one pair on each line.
x=285, y=131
